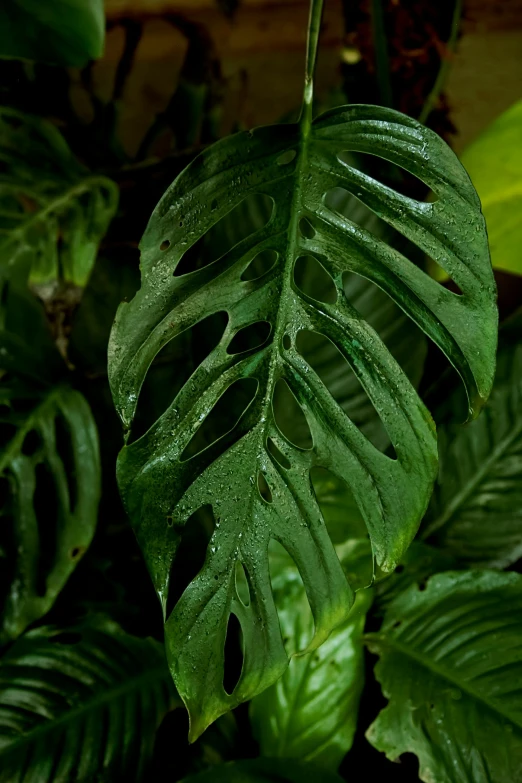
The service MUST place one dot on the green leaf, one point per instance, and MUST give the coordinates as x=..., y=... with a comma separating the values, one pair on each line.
x=53, y=211
x=81, y=703
x=494, y=164
x=59, y=32
x=50, y=479
x=476, y=509
x=265, y=771
x=163, y=482
x=450, y=665
x=310, y=713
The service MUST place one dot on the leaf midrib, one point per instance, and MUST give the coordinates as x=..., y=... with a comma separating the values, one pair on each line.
x=382, y=641
x=461, y=497
x=69, y=716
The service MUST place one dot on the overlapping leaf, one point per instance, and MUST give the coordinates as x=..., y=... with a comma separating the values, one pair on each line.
x=163, y=485
x=475, y=513
x=53, y=212
x=81, y=704
x=50, y=484
x=311, y=712
x=450, y=665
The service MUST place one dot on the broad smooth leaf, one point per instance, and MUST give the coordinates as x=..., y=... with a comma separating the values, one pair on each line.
x=81, y=704
x=163, y=483
x=310, y=713
x=475, y=514
x=60, y=32
x=50, y=482
x=53, y=211
x=450, y=665
x=494, y=164
x=265, y=771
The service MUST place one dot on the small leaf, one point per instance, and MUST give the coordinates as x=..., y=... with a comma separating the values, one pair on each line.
x=50, y=480
x=311, y=711
x=60, y=32
x=265, y=771
x=81, y=703
x=475, y=514
x=450, y=665
x=494, y=164
x=53, y=211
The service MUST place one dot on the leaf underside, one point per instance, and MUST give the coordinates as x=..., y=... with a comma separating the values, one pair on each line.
x=50, y=478
x=81, y=704
x=162, y=487
x=450, y=665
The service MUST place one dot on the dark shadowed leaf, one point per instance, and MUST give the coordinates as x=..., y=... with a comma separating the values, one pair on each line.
x=265, y=771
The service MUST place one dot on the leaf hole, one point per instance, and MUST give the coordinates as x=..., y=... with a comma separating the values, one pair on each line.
x=290, y=597
x=172, y=367
x=287, y=342
x=260, y=265
x=264, y=489
x=191, y=553
x=76, y=552
x=250, y=337
x=247, y=217
x=390, y=174
x=224, y=416
x=233, y=655
x=277, y=454
x=338, y=506
x=339, y=378
x=32, y=443
x=286, y=157
x=306, y=228
x=165, y=245
x=312, y=279
x=46, y=505
x=290, y=417
x=242, y=586
x=64, y=447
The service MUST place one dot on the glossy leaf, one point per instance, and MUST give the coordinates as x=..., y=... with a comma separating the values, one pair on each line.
x=494, y=164
x=450, y=665
x=81, y=703
x=50, y=480
x=310, y=713
x=475, y=514
x=164, y=479
x=53, y=211
x=265, y=771
x=60, y=32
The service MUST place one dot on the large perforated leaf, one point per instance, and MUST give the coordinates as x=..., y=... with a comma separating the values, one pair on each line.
x=50, y=486
x=450, y=665
x=81, y=704
x=53, y=211
x=253, y=476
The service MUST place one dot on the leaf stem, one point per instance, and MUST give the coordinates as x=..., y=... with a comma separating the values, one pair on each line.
x=445, y=64
x=382, y=60
x=314, y=28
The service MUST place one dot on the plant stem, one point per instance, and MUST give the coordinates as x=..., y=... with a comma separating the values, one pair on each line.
x=445, y=64
x=382, y=61
x=314, y=27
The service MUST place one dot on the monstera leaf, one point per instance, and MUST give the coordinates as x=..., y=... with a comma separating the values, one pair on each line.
x=81, y=703
x=475, y=513
x=450, y=665
x=53, y=211
x=50, y=482
x=255, y=479
x=63, y=32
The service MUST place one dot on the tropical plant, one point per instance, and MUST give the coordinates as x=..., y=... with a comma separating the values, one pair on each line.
x=277, y=365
